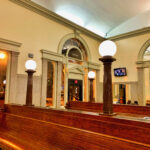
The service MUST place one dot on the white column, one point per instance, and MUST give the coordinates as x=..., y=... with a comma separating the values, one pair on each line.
x=59, y=86
x=66, y=86
x=129, y=92
x=141, y=85
x=149, y=83
x=116, y=91
x=13, y=77
x=97, y=86
x=55, y=85
x=86, y=86
x=44, y=83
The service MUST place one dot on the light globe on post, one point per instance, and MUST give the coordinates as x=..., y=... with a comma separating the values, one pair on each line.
x=91, y=76
x=107, y=49
x=30, y=65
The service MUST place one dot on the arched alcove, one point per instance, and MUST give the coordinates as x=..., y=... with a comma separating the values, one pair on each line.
x=143, y=69
x=143, y=49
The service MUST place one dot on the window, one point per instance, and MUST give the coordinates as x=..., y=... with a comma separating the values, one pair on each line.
x=146, y=55
x=75, y=53
x=75, y=49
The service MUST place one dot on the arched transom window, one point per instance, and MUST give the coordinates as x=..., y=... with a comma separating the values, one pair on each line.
x=74, y=49
x=146, y=55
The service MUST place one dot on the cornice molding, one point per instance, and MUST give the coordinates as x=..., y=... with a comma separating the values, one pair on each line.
x=127, y=82
x=92, y=65
x=53, y=16
x=143, y=64
x=49, y=55
x=130, y=34
x=10, y=45
x=5, y=41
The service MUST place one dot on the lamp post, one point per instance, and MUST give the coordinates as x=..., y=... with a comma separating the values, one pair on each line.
x=30, y=66
x=107, y=50
x=91, y=76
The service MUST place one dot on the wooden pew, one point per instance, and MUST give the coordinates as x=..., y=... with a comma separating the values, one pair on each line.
x=98, y=107
x=48, y=129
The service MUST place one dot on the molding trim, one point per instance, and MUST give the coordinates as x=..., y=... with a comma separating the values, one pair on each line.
x=143, y=64
x=49, y=55
x=94, y=66
x=143, y=49
x=76, y=70
x=10, y=42
x=9, y=45
x=128, y=82
x=130, y=34
x=51, y=15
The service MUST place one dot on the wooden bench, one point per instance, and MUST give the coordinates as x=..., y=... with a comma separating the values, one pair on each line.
x=98, y=107
x=48, y=129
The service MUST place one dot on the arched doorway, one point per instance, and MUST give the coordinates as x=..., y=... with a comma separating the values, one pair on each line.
x=75, y=78
x=143, y=66
x=75, y=83
x=70, y=71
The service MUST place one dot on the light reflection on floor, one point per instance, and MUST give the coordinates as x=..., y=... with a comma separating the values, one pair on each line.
x=10, y=144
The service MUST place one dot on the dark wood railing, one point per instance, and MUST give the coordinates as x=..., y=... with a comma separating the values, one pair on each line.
x=98, y=107
x=49, y=129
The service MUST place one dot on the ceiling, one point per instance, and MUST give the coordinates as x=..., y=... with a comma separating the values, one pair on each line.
x=106, y=18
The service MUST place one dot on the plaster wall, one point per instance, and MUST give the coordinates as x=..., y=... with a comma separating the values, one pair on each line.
x=127, y=54
x=35, y=32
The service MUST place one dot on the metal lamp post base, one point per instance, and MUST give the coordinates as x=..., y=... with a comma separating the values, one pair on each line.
x=104, y=114
x=29, y=88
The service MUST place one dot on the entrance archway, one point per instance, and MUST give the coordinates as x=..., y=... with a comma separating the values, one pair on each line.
x=143, y=67
x=75, y=69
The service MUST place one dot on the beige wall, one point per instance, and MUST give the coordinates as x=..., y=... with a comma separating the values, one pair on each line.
x=127, y=54
x=34, y=31
x=93, y=46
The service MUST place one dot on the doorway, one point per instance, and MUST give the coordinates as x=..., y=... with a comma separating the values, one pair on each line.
x=75, y=90
x=3, y=72
x=122, y=93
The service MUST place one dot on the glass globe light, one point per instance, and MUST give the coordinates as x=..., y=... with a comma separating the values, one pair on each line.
x=4, y=82
x=107, y=48
x=30, y=65
x=2, y=55
x=91, y=74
